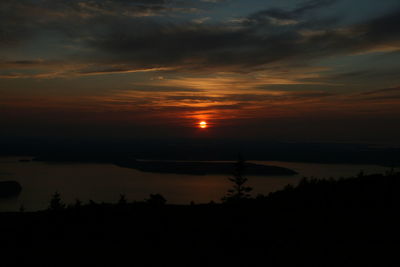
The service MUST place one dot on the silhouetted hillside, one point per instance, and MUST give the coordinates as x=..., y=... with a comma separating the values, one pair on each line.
x=349, y=222
x=371, y=191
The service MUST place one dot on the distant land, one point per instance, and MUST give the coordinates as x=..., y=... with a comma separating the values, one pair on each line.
x=177, y=167
x=106, y=150
x=202, y=168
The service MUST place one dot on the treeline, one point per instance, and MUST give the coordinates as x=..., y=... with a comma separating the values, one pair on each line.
x=327, y=222
x=361, y=191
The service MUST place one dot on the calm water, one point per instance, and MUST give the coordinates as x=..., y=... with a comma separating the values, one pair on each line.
x=105, y=182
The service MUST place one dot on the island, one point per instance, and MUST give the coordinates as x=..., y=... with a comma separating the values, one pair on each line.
x=202, y=167
x=170, y=166
x=9, y=189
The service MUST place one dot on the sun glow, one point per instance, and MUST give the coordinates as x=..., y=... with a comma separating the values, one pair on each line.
x=203, y=124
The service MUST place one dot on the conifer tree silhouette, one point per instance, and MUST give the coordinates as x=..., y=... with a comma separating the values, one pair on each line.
x=239, y=191
x=122, y=200
x=56, y=203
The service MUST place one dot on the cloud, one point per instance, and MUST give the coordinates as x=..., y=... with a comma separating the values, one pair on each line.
x=119, y=36
x=385, y=94
x=201, y=20
x=194, y=102
x=380, y=91
x=118, y=70
x=23, y=20
x=215, y=1
x=45, y=69
x=265, y=16
x=271, y=96
x=286, y=38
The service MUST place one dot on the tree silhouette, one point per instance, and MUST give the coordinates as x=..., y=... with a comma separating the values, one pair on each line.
x=239, y=191
x=78, y=203
x=156, y=200
x=122, y=200
x=56, y=202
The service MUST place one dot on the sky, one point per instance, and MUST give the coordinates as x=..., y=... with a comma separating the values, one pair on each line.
x=295, y=70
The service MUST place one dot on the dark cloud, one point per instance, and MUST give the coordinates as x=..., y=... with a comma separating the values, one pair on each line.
x=21, y=20
x=151, y=88
x=203, y=47
x=131, y=33
x=300, y=11
x=395, y=90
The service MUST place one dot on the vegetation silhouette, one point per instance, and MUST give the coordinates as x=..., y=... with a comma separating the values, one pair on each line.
x=56, y=203
x=239, y=191
x=319, y=222
x=122, y=200
x=78, y=204
x=156, y=200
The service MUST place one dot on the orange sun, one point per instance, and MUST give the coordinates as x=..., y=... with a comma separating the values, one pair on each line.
x=203, y=124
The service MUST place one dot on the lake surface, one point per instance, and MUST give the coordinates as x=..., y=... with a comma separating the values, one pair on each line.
x=105, y=182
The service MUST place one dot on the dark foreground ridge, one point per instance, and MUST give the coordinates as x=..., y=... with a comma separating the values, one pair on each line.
x=349, y=222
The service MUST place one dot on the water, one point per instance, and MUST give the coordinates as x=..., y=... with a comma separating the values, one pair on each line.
x=105, y=182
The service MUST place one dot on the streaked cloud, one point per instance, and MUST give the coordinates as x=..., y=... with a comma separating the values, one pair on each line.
x=159, y=61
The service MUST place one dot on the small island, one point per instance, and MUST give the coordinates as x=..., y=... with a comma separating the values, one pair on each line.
x=9, y=189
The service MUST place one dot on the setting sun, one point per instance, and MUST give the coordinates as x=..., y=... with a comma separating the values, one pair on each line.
x=203, y=124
